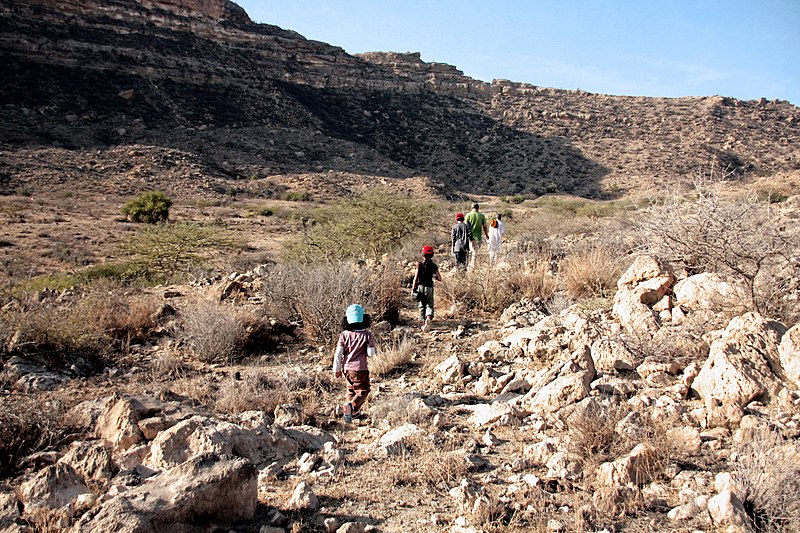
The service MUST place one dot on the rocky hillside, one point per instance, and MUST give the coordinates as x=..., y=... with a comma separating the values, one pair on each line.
x=241, y=100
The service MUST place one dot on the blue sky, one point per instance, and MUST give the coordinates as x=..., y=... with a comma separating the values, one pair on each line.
x=740, y=48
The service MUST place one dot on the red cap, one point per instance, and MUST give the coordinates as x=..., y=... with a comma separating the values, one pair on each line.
x=427, y=250
x=459, y=216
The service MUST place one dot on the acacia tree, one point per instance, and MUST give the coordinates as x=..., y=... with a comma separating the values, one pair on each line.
x=364, y=226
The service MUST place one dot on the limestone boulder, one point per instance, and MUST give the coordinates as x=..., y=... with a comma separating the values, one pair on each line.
x=684, y=439
x=611, y=356
x=789, y=355
x=54, y=487
x=744, y=363
x=641, y=287
x=91, y=460
x=199, y=493
x=8, y=510
x=545, y=341
x=563, y=391
x=727, y=511
x=395, y=441
x=485, y=414
x=451, y=370
x=637, y=468
x=201, y=435
x=118, y=425
x=711, y=292
x=303, y=498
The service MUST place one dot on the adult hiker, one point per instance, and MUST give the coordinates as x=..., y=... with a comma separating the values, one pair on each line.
x=477, y=224
x=495, y=242
x=460, y=236
x=427, y=271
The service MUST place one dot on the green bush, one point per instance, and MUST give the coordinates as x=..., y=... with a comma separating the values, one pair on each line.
x=160, y=252
x=298, y=196
x=150, y=207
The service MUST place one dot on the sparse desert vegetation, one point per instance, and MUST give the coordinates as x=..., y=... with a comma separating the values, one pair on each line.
x=605, y=425
x=187, y=207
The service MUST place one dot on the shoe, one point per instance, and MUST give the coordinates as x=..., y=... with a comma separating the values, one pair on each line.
x=428, y=323
x=347, y=409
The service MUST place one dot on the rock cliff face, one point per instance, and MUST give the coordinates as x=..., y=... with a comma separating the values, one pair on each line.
x=250, y=99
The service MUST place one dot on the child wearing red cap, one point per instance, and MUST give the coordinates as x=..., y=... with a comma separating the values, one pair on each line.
x=427, y=271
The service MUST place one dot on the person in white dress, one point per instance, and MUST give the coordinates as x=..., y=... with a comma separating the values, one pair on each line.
x=496, y=230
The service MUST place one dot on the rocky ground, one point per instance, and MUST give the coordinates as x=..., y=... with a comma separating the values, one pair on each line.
x=625, y=418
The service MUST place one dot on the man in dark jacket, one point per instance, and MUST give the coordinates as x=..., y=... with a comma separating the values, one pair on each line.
x=459, y=238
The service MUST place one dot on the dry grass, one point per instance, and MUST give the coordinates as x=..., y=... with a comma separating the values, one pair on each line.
x=437, y=465
x=27, y=425
x=767, y=467
x=390, y=358
x=52, y=331
x=213, y=331
x=121, y=317
x=591, y=433
x=590, y=273
x=491, y=289
x=261, y=391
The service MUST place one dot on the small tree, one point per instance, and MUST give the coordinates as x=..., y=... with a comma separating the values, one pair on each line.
x=365, y=226
x=162, y=251
x=150, y=207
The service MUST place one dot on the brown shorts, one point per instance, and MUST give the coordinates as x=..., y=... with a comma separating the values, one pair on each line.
x=357, y=387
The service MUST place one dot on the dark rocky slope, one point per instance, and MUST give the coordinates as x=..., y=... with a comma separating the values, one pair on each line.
x=247, y=100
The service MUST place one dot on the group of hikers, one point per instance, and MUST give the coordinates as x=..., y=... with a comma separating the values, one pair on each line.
x=356, y=342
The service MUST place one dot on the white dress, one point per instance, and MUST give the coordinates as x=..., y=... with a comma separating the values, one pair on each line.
x=496, y=240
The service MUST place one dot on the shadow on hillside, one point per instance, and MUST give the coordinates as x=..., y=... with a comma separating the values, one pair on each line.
x=286, y=128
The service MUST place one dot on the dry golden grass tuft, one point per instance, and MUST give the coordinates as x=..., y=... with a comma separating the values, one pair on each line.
x=492, y=288
x=591, y=433
x=261, y=391
x=590, y=273
x=393, y=357
x=121, y=317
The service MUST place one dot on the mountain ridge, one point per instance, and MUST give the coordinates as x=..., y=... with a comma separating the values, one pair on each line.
x=252, y=99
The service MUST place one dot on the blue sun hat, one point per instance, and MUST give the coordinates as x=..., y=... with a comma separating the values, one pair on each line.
x=354, y=314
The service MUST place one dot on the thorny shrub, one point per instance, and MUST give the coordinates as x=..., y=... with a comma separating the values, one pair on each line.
x=364, y=226
x=767, y=467
x=215, y=332
x=319, y=294
x=165, y=251
x=709, y=231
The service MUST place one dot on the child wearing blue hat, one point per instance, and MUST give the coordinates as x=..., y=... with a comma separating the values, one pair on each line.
x=355, y=344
